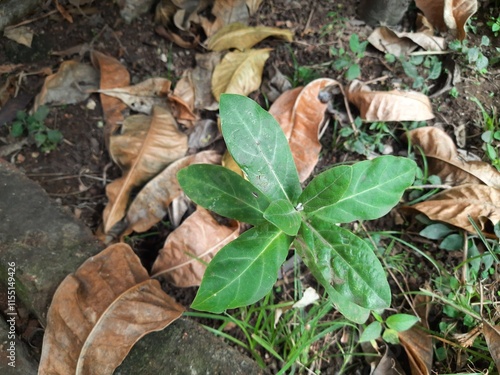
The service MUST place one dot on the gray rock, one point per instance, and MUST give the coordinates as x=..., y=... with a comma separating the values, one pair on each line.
x=184, y=348
x=12, y=11
x=383, y=12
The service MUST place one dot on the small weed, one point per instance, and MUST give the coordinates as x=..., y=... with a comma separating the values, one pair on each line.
x=348, y=60
x=474, y=55
x=491, y=135
x=391, y=326
x=421, y=69
x=302, y=75
x=337, y=22
x=33, y=126
x=494, y=24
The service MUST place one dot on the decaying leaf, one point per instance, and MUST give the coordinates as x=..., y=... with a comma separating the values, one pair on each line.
x=452, y=14
x=242, y=37
x=113, y=75
x=417, y=342
x=202, y=77
x=99, y=312
x=455, y=205
x=72, y=83
x=151, y=204
x=392, y=105
x=191, y=246
x=492, y=336
x=225, y=13
x=204, y=134
x=21, y=34
x=388, y=364
x=143, y=96
x=253, y=5
x=181, y=111
x=239, y=72
x=142, y=150
x=447, y=163
x=184, y=89
x=402, y=43
x=302, y=115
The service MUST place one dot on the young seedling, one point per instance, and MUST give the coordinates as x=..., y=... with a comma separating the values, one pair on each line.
x=282, y=214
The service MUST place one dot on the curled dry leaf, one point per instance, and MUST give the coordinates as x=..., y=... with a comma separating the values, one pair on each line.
x=151, y=204
x=202, y=77
x=253, y=5
x=447, y=163
x=143, y=96
x=455, y=205
x=401, y=43
x=433, y=11
x=99, y=312
x=184, y=89
x=225, y=13
x=142, y=151
x=181, y=111
x=301, y=115
x=392, y=105
x=72, y=83
x=242, y=37
x=113, y=75
x=239, y=72
x=492, y=336
x=191, y=246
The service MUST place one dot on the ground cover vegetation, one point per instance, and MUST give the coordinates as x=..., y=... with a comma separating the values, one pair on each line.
x=338, y=215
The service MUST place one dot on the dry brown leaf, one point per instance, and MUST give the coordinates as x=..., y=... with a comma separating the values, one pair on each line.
x=181, y=111
x=242, y=37
x=239, y=72
x=142, y=151
x=389, y=364
x=451, y=14
x=99, y=312
x=143, y=96
x=392, y=105
x=184, y=89
x=113, y=75
x=202, y=78
x=253, y=5
x=418, y=343
x=492, y=336
x=205, y=132
x=446, y=162
x=66, y=15
x=72, y=83
x=455, y=205
x=401, y=43
x=225, y=13
x=302, y=120
x=21, y=34
x=151, y=204
x=191, y=246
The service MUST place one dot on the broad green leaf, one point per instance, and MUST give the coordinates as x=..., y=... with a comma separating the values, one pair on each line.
x=222, y=191
x=348, y=263
x=349, y=309
x=364, y=191
x=372, y=332
x=244, y=271
x=401, y=322
x=259, y=147
x=282, y=214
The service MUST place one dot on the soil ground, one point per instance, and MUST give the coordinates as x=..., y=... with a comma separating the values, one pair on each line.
x=75, y=174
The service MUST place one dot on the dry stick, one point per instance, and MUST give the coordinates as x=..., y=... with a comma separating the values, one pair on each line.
x=309, y=19
x=464, y=259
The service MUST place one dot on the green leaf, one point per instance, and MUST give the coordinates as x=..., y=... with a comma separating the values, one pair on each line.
x=41, y=114
x=354, y=43
x=453, y=242
x=347, y=308
x=364, y=191
x=259, y=147
x=17, y=129
x=244, y=270
x=220, y=190
x=282, y=214
x=353, y=72
x=401, y=322
x=372, y=332
x=391, y=336
x=54, y=136
x=40, y=139
x=436, y=231
x=347, y=263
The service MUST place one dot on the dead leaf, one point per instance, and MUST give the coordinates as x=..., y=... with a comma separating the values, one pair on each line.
x=242, y=37
x=392, y=105
x=225, y=13
x=66, y=15
x=418, y=343
x=143, y=96
x=492, y=336
x=274, y=83
x=302, y=120
x=204, y=134
x=191, y=246
x=99, y=312
x=113, y=75
x=388, y=364
x=253, y=5
x=72, y=83
x=21, y=34
x=181, y=111
x=402, y=43
x=152, y=202
x=451, y=14
x=455, y=205
x=202, y=78
x=239, y=72
x=184, y=89
x=447, y=163
x=142, y=150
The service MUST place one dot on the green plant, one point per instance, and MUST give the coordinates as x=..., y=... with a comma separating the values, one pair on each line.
x=391, y=326
x=494, y=24
x=33, y=126
x=282, y=213
x=430, y=66
x=348, y=60
x=491, y=134
x=474, y=55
